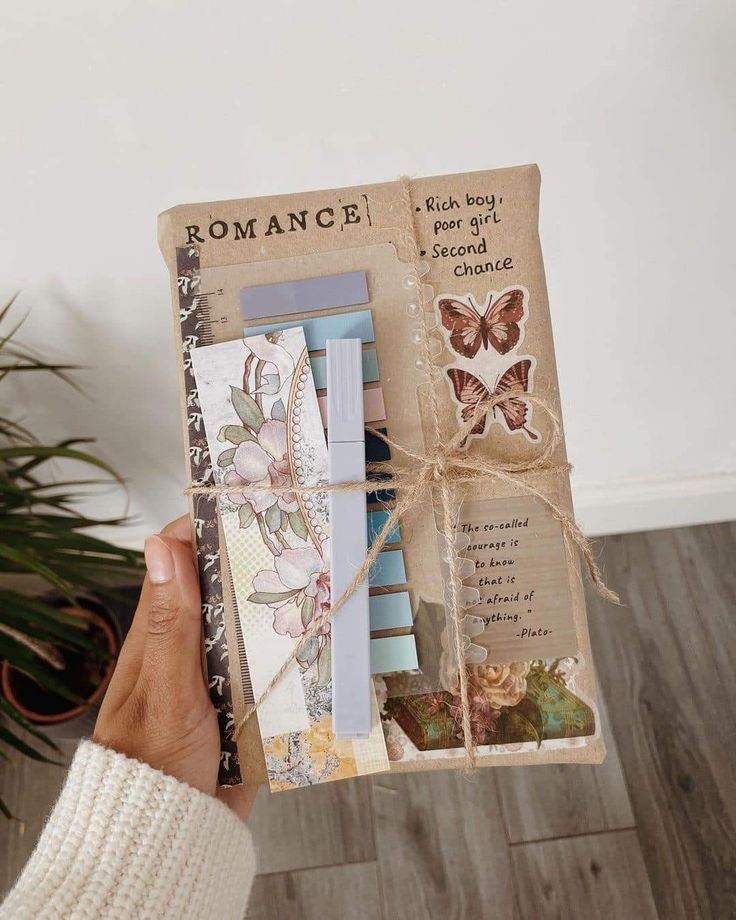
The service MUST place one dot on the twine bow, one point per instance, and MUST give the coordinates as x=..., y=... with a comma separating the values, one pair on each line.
x=447, y=469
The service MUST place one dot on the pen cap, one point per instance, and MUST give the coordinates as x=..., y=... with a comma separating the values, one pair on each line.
x=345, y=421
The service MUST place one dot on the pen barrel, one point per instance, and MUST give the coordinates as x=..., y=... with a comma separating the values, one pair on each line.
x=351, y=665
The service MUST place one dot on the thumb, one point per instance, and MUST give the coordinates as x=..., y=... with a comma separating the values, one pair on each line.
x=171, y=654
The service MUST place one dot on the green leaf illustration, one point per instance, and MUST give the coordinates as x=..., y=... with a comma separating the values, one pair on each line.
x=273, y=518
x=226, y=457
x=296, y=521
x=246, y=515
x=248, y=410
x=308, y=653
x=324, y=667
x=235, y=434
x=269, y=597
x=278, y=411
x=307, y=611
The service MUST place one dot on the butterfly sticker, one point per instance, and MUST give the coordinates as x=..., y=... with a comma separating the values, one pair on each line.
x=471, y=390
x=497, y=325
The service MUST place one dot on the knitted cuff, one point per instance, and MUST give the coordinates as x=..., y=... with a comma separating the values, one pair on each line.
x=125, y=840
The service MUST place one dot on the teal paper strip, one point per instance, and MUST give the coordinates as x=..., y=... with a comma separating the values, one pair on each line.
x=370, y=368
x=390, y=611
x=376, y=520
x=397, y=653
x=388, y=569
x=358, y=325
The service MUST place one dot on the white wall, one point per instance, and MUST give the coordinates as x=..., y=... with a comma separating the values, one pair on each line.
x=113, y=112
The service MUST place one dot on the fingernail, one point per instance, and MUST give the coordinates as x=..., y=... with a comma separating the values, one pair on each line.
x=159, y=561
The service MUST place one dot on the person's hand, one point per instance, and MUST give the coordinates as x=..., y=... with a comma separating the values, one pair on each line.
x=157, y=708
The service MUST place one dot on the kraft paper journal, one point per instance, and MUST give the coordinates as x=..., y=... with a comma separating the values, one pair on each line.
x=442, y=280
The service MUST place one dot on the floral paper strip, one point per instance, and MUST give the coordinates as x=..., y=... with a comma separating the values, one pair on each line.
x=264, y=429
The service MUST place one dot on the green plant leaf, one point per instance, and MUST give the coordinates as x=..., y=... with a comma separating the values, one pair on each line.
x=278, y=411
x=246, y=515
x=24, y=659
x=6, y=811
x=26, y=563
x=296, y=521
x=19, y=745
x=12, y=713
x=249, y=412
x=273, y=518
x=39, y=454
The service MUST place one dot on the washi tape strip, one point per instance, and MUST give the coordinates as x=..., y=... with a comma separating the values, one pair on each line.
x=376, y=520
x=388, y=569
x=370, y=368
x=374, y=409
x=395, y=653
x=280, y=299
x=390, y=611
x=357, y=325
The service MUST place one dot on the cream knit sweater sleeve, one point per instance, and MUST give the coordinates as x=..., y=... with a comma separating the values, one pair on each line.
x=125, y=840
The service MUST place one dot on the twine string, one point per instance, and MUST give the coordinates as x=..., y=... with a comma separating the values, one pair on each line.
x=447, y=468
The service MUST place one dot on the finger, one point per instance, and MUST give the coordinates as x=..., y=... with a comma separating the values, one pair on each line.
x=171, y=653
x=131, y=654
x=180, y=529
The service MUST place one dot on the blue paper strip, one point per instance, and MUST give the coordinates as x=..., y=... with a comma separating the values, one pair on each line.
x=376, y=520
x=324, y=293
x=396, y=653
x=390, y=611
x=370, y=368
x=388, y=569
x=358, y=325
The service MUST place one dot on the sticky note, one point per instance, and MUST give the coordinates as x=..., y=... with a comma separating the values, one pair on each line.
x=376, y=520
x=388, y=569
x=395, y=653
x=358, y=325
x=390, y=611
x=264, y=300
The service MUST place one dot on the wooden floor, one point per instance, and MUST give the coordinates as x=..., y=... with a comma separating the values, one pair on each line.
x=650, y=834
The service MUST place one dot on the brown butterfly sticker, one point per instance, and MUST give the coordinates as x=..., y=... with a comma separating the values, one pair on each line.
x=471, y=390
x=497, y=325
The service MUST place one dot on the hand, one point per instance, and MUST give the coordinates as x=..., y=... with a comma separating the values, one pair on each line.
x=157, y=708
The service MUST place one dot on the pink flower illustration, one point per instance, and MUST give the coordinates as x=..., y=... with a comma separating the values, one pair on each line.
x=500, y=685
x=264, y=464
x=300, y=588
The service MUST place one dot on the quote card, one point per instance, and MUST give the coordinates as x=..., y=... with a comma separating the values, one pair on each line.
x=521, y=576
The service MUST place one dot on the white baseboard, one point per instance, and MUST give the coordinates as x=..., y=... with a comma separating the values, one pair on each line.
x=653, y=504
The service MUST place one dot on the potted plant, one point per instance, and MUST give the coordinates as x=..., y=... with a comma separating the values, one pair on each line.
x=58, y=648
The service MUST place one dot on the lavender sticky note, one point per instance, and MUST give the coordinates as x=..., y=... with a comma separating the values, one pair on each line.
x=264, y=300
